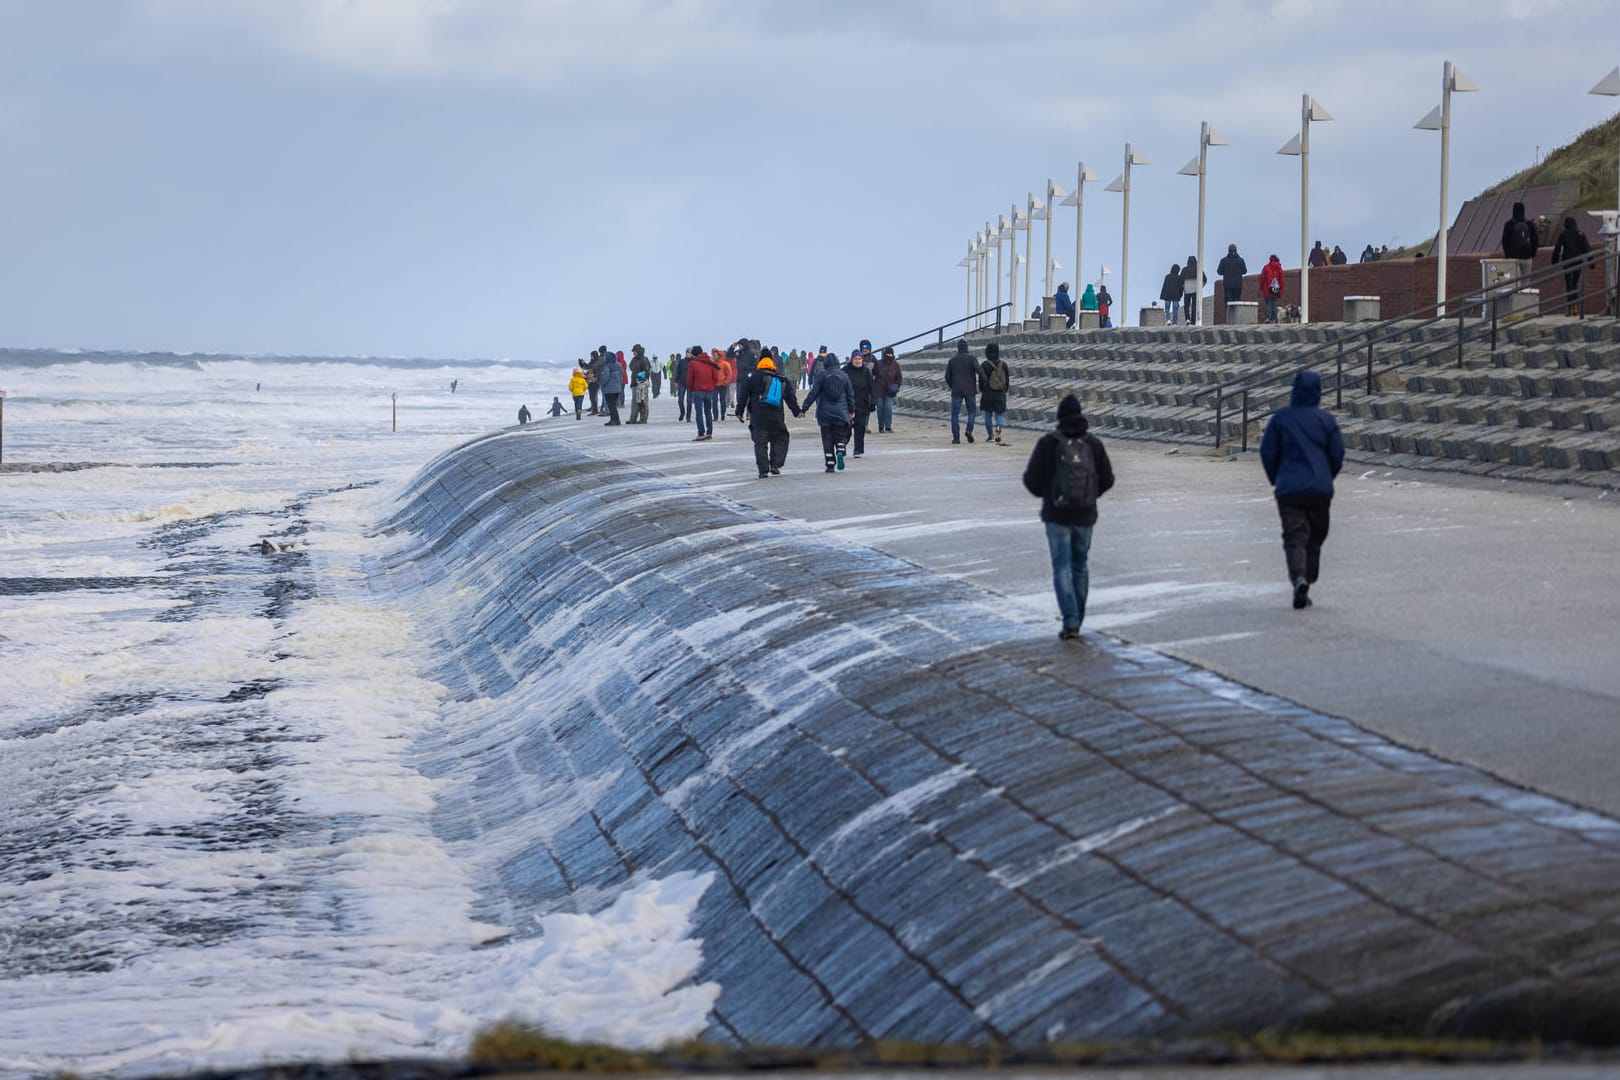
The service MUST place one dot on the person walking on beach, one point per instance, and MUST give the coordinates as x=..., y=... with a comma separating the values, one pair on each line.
x=863, y=395
x=887, y=374
x=728, y=375
x=1170, y=293
x=1271, y=286
x=962, y=379
x=1068, y=470
x=576, y=390
x=1302, y=452
x=994, y=379
x=702, y=376
x=1569, y=247
x=835, y=411
x=612, y=383
x=657, y=378
x=1232, y=269
x=762, y=398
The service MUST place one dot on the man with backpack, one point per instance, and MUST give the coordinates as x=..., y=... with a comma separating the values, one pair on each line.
x=762, y=397
x=993, y=382
x=835, y=411
x=1519, y=240
x=1068, y=470
x=1571, y=246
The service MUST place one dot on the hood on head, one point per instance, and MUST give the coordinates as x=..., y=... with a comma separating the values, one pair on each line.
x=1089, y=293
x=866, y=345
x=961, y=345
x=1275, y=259
x=1064, y=288
x=992, y=351
x=1570, y=226
x=1307, y=389
x=1518, y=211
x=888, y=350
x=1071, y=420
x=829, y=362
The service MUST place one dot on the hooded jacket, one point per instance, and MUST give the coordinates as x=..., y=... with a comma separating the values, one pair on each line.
x=612, y=378
x=639, y=363
x=1043, y=461
x=702, y=374
x=831, y=395
x=887, y=373
x=1232, y=268
x=962, y=373
x=993, y=400
x=863, y=387
x=576, y=384
x=1571, y=243
x=1272, y=271
x=1302, y=450
x=1193, y=280
x=1088, y=299
x=751, y=398
x=1170, y=291
x=1064, y=302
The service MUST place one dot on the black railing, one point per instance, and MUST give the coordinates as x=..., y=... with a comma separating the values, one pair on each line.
x=1484, y=301
x=939, y=330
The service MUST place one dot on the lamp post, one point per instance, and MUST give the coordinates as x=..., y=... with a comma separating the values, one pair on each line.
x=1012, y=262
x=967, y=262
x=1300, y=146
x=1610, y=87
x=1439, y=119
x=1035, y=210
x=1053, y=193
x=1082, y=176
x=984, y=271
x=1001, y=236
x=1207, y=137
x=1122, y=184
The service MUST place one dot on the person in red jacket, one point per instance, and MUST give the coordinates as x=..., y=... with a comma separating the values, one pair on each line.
x=702, y=377
x=1271, y=286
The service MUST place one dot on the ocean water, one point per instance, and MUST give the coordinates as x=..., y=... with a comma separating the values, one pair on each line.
x=214, y=841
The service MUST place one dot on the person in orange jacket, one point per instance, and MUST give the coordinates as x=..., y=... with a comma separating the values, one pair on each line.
x=728, y=376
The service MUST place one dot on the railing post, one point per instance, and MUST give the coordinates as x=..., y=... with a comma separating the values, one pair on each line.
x=1245, y=427
x=1460, y=339
x=1369, y=367
x=1494, y=301
x=1220, y=399
x=942, y=335
x=1338, y=379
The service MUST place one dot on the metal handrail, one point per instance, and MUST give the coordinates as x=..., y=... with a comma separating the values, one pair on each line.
x=940, y=329
x=1475, y=298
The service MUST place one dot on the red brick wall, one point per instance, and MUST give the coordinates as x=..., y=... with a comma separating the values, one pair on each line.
x=1402, y=285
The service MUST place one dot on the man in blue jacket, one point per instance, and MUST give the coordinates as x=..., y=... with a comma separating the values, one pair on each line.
x=1303, y=451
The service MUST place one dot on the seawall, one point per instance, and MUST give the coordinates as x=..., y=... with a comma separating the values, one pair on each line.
x=929, y=820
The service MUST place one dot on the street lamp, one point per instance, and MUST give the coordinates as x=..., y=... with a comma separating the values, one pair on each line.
x=984, y=271
x=1012, y=262
x=1001, y=236
x=1207, y=137
x=967, y=262
x=1300, y=146
x=1122, y=184
x=1439, y=119
x=1610, y=87
x=1035, y=211
x=1082, y=176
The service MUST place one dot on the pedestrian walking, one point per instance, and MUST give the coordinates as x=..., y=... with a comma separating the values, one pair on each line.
x=887, y=373
x=962, y=380
x=1569, y=247
x=678, y=377
x=863, y=395
x=1232, y=269
x=1520, y=241
x=728, y=376
x=1302, y=452
x=1317, y=257
x=657, y=378
x=1105, y=303
x=762, y=399
x=1338, y=258
x=576, y=390
x=1271, y=286
x=835, y=412
x=1170, y=293
x=994, y=380
x=702, y=376
x=1068, y=471
x=1192, y=287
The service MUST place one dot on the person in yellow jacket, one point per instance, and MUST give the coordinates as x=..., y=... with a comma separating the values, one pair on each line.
x=576, y=387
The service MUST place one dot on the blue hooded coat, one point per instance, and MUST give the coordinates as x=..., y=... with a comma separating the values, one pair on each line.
x=831, y=395
x=1302, y=449
x=1064, y=302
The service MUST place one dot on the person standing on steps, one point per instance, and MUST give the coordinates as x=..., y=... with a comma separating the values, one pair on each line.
x=762, y=397
x=887, y=373
x=1271, y=286
x=994, y=380
x=1232, y=269
x=576, y=390
x=1302, y=452
x=1569, y=247
x=962, y=380
x=863, y=395
x=1170, y=293
x=835, y=411
x=1068, y=470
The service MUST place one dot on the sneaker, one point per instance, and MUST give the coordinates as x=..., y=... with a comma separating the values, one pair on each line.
x=708, y=438
x=970, y=436
x=1302, y=594
x=764, y=476
x=840, y=457
x=857, y=453
x=955, y=439
x=998, y=437
x=776, y=472
x=831, y=469
x=1069, y=633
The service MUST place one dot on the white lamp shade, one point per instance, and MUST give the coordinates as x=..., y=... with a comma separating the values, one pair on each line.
x=1138, y=159
x=1430, y=121
x=1291, y=147
x=1189, y=169
x=1610, y=86
x=1215, y=138
x=1461, y=83
x=1117, y=184
x=1070, y=200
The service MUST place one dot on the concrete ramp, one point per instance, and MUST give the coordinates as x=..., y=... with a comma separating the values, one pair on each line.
x=925, y=817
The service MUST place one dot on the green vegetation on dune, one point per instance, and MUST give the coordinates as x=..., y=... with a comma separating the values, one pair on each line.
x=1592, y=158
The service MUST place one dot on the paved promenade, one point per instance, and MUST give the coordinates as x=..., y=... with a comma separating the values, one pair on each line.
x=1473, y=618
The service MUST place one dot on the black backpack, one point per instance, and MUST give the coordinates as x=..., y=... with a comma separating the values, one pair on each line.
x=1074, y=481
x=1519, y=236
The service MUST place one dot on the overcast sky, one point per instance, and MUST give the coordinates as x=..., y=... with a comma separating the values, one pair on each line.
x=525, y=178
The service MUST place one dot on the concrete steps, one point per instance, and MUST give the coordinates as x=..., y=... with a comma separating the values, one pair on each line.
x=1545, y=403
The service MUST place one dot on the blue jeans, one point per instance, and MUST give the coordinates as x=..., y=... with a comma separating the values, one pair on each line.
x=1070, y=545
x=972, y=413
x=885, y=412
x=702, y=407
x=992, y=420
x=1271, y=309
x=1172, y=312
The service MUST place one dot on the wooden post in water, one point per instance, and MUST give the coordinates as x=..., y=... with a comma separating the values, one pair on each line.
x=395, y=399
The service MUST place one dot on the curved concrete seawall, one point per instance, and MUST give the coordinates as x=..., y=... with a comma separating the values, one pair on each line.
x=928, y=819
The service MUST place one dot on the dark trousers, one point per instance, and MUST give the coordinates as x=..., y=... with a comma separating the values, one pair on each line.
x=596, y=393
x=1572, y=288
x=861, y=419
x=680, y=399
x=1304, y=527
x=833, y=438
x=770, y=444
x=612, y=407
x=1234, y=293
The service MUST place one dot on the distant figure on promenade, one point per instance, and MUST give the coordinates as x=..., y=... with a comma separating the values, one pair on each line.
x=1170, y=293
x=1520, y=240
x=677, y=377
x=523, y=413
x=453, y=383
x=612, y=383
x=1570, y=246
x=657, y=378
x=557, y=408
x=640, y=384
x=1232, y=269
x=888, y=375
x=962, y=380
x=1088, y=299
x=835, y=412
x=1064, y=303
x=863, y=394
x=994, y=380
x=728, y=376
x=593, y=377
x=1318, y=257
x=576, y=390
x=1193, y=281
x=1369, y=254
x=1271, y=286
x=1068, y=470
x=1105, y=304
x=1302, y=452
x=1338, y=258
x=762, y=397
x=702, y=377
